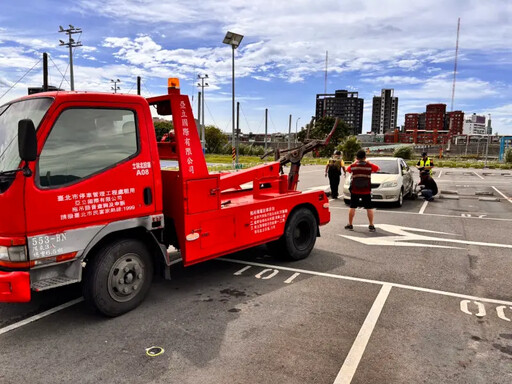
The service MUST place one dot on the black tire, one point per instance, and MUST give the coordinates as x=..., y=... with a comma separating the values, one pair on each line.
x=118, y=277
x=299, y=235
x=400, y=200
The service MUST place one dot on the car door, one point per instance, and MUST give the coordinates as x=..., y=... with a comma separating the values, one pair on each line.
x=406, y=177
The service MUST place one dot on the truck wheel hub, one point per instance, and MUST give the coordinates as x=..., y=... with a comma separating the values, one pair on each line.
x=125, y=277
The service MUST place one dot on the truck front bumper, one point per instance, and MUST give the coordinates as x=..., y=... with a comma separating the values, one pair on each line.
x=14, y=287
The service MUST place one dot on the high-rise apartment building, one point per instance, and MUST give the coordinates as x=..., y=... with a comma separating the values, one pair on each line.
x=384, y=112
x=343, y=104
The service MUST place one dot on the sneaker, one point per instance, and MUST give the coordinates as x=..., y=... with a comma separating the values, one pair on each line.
x=371, y=228
x=349, y=227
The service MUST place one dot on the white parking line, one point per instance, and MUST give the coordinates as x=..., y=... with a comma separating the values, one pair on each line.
x=432, y=214
x=502, y=194
x=478, y=175
x=423, y=207
x=440, y=172
x=40, y=315
x=370, y=281
x=356, y=352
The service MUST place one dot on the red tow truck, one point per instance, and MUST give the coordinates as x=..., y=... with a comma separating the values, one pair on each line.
x=83, y=197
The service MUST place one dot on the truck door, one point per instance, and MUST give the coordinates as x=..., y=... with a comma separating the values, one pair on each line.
x=94, y=168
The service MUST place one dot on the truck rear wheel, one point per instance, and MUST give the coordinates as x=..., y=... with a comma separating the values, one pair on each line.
x=299, y=236
x=118, y=278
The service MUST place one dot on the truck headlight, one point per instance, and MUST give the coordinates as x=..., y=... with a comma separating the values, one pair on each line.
x=389, y=184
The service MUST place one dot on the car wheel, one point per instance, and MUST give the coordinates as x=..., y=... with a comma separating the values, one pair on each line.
x=400, y=200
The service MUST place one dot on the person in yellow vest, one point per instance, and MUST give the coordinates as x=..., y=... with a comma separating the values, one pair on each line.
x=333, y=169
x=425, y=163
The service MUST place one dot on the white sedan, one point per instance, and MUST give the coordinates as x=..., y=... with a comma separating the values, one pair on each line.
x=390, y=184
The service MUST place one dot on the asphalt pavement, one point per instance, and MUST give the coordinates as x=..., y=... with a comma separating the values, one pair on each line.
x=425, y=299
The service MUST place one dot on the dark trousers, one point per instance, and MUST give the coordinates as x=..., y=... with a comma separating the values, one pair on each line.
x=334, y=181
x=427, y=194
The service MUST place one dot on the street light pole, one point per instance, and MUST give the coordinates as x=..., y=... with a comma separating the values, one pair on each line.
x=115, y=88
x=234, y=40
x=70, y=44
x=202, y=85
x=296, y=122
x=233, y=140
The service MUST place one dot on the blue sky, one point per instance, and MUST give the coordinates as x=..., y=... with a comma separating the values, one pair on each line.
x=280, y=65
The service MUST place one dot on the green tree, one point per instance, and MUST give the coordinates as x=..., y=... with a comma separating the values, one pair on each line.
x=163, y=127
x=508, y=155
x=216, y=140
x=405, y=152
x=321, y=128
x=350, y=146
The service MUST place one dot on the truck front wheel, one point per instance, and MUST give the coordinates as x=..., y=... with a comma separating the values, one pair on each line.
x=299, y=236
x=118, y=278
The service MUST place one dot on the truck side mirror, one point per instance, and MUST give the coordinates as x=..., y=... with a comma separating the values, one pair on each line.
x=27, y=141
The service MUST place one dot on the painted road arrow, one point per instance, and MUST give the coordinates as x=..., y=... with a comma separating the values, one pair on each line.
x=407, y=237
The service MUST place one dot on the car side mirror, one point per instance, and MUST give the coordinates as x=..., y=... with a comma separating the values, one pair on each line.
x=27, y=141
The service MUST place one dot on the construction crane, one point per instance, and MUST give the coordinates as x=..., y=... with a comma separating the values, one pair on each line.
x=455, y=67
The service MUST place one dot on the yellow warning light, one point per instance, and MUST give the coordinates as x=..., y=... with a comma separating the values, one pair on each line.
x=173, y=82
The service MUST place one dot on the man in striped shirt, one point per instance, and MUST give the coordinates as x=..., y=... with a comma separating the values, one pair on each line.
x=360, y=189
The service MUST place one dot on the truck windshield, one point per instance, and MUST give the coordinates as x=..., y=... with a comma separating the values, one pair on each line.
x=10, y=114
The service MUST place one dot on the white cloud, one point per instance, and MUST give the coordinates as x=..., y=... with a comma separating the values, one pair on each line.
x=390, y=80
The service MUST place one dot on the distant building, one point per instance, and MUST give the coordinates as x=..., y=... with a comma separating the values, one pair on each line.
x=411, y=121
x=434, y=126
x=489, y=126
x=435, y=116
x=384, y=112
x=343, y=104
x=475, y=125
x=454, y=122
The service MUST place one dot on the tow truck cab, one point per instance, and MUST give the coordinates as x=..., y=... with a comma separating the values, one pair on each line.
x=81, y=185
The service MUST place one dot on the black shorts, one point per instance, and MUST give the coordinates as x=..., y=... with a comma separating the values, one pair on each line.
x=364, y=201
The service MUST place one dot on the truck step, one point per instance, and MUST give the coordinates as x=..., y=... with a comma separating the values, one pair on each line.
x=53, y=282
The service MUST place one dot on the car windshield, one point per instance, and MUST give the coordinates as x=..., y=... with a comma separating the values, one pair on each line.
x=10, y=115
x=386, y=166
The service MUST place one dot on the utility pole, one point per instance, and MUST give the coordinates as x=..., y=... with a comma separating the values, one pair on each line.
x=70, y=44
x=237, y=143
x=290, y=132
x=296, y=122
x=266, y=128
x=115, y=88
x=202, y=84
x=455, y=66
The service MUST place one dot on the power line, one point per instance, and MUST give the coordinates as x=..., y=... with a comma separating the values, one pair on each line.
x=245, y=117
x=63, y=76
x=211, y=115
x=21, y=78
x=133, y=85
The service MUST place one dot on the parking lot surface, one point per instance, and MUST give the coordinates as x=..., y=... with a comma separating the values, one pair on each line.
x=425, y=299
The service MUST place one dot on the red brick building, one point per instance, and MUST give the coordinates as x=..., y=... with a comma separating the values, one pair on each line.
x=434, y=118
x=435, y=126
x=411, y=121
x=455, y=122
